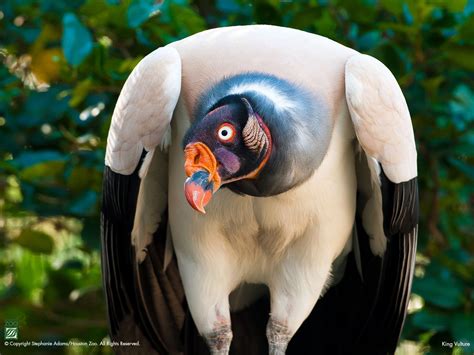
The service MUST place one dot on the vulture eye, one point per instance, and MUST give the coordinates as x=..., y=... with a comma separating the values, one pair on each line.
x=226, y=132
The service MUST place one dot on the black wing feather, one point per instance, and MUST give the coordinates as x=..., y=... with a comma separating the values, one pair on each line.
x=136, y=308
x=118, y=204
x=400, y=211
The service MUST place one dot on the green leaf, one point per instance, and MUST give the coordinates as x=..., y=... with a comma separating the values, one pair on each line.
x=463, y=103
x=434, y=292
x=462, y=328
x=36, y=241
x=89, y=232
x=228, y=6
x=429, y=320
x=82, y=178
x=394, y=6
x=76, y=41
x=59, y=7
x=454, y=5
x=43, y=172
x=432, y=84
x=139, y=11
x=27, y=159
x=326, y=25
x=80, y=92
x=466, y=31
x=460, y=55
x=462, y=166
x=189, y=21
x=420, y=10
x=463, y=149
x=85, y=205
x=433, y=287
x=30, y=273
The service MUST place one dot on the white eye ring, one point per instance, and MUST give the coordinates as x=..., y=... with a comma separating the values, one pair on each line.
x=226, y=133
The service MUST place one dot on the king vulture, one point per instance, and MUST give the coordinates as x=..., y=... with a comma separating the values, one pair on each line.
x=259, y=196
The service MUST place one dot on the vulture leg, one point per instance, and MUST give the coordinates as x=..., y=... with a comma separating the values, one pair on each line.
x=219, y=339
x=294, y=296
x=215, y=325
x=208, y=301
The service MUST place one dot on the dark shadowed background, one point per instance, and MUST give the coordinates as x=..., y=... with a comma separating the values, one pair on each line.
x=62, y=64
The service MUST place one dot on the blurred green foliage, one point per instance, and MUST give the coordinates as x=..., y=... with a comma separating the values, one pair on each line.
x=64, y=63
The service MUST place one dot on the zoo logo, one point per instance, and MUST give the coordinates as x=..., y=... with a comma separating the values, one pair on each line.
x=11, y=329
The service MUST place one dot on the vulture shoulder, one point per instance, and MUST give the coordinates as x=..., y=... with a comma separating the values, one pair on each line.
x=380, y=116
x=144, y=109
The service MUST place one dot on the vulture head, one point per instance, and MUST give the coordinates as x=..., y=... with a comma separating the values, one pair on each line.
x=230, y=143
x=256, y=134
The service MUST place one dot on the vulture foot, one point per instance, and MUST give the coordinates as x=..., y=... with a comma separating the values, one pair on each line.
x=278, y=337
x=219, y=340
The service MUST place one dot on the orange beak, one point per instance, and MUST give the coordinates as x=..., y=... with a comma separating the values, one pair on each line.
x=203, y=179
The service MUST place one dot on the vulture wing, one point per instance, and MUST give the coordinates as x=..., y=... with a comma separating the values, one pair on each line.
x=387, y=199
x=145, y=299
